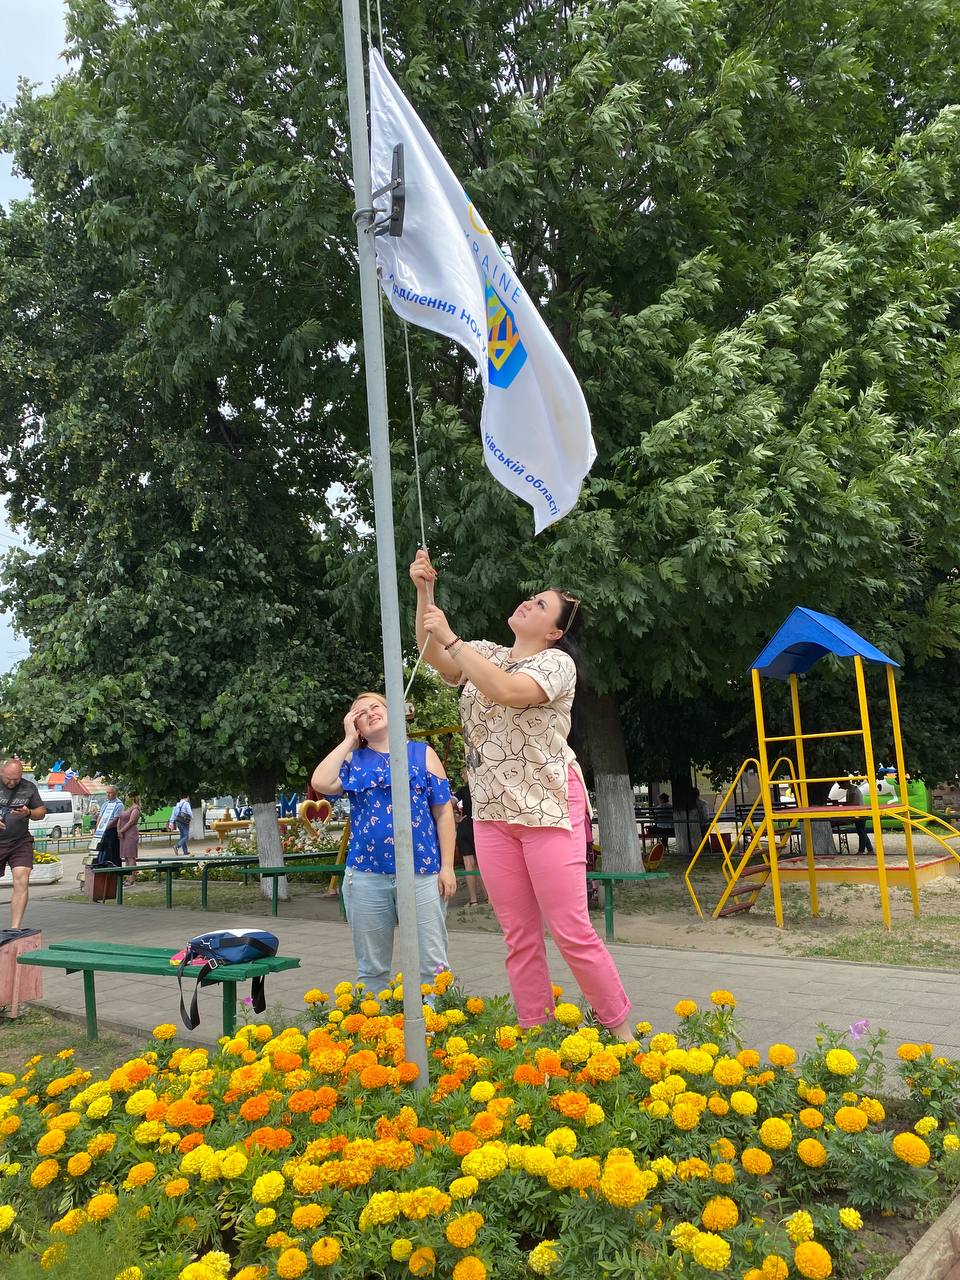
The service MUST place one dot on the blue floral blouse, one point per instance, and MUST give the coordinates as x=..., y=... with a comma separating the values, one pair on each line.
x=365, y=779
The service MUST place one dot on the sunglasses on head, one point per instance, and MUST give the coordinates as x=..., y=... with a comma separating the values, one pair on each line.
x=574, y=600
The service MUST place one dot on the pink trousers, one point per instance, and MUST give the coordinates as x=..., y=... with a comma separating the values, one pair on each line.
x=536, y=875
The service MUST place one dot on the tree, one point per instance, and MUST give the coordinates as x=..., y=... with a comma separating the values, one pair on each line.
x=741, y=221
x=174, y=361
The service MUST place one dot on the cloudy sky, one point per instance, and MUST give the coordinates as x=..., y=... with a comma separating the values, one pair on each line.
x=33, y=37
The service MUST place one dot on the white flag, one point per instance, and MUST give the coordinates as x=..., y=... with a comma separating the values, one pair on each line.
x=446, y=273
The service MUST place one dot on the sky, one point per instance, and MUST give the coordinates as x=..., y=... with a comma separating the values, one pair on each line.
x=33, y=36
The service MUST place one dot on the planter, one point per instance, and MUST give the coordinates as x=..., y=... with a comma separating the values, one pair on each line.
x=936, y=1255
x=40, y=873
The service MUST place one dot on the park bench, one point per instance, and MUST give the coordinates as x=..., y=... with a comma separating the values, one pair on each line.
x=91, y=958
x=167, y=868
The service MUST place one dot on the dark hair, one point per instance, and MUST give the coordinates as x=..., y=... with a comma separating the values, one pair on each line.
x=570, y=622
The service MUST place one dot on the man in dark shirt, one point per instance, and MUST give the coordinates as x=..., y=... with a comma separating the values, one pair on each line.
x=19, y=803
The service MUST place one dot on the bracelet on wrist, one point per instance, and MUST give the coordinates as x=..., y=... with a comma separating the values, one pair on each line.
x=455, y=640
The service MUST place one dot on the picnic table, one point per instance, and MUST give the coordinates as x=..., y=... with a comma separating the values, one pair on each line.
x=91, y=958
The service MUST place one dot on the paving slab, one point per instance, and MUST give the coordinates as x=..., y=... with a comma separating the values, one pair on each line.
x=778, y=999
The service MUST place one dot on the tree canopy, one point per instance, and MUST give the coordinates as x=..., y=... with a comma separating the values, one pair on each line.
x=741, y=222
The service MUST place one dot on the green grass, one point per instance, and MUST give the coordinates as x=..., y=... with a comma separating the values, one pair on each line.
x=36, y=1031
x=919, y=943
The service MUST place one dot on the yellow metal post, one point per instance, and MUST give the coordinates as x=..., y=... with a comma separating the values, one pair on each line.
x=767, y=798
x=872, y=783
x=802, y=799
x=902, y=778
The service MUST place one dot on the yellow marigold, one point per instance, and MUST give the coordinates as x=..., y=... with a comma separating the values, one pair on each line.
x=401, y=1249
x=462, y=1232
x=265, y=1217
x=663, y=1167
x=799, y=1227
x=568, y=1014
x=422, y=1261
x=593, y=1115
x=727, y=1071
x=925, y=1125
x=662, y=1042
x=140, y=1175
x=692, y=1167
x=699, y=1062
x=575, y=1048
x=718, y=1106
x=70, y=1223
x=8, y=1216
x=951, y=1142
x=911, y=1149
x=543, y=1258
x=683, y=1235
x=812, y=1260
x=307, y=1216
x=463, y=1188
x=781, y=1055
x=165, y=1031
x=685, y=1116
x=176, y=1187
x=325, y=1251
x=101, y=1206
x=44, y=1173
x=840, y=1062
x=724, y=1173
x=78, y=1165
x=720, y=1213
x=743, y=1103
x=129, y=1273
x=909, y=1052
x=723, y=999
x=685, y=1008
x=51, y=1142
x=482, y=1091
x=850, y=1219
x=53, y=1257
x=292, y=1263
x=872, y=1109
x=562, y=1140
x=99, y=1108
x=470, y=1268
x=774, y=1268
x=756, y=1161
x=812, y=1153
x=850, y=1119
x=811, y=1118
x=268, y=1187
x=711, y=1251
x=487, y=1161
x=775, y=1134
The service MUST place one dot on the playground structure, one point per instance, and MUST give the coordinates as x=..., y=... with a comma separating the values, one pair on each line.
x=752, y=857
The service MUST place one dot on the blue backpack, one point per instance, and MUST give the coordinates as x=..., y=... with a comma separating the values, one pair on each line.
x=224, y=946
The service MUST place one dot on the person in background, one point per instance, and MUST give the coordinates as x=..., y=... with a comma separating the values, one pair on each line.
x=105, y=838
x=466, y=846
x=853, y=796
x=181, y=817
x=359, y=768
x=128, y=829
x=19, y=804
x=663, y=820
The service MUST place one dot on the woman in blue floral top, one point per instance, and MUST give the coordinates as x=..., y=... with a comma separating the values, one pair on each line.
x=359, y=768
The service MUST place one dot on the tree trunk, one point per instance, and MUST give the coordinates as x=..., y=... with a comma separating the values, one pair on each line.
x=196, y=819
x=687, y=827
x=611, y=780
x=262, y=789
x=821, y=833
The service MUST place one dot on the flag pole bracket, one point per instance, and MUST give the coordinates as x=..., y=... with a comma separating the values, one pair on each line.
x=392, y=224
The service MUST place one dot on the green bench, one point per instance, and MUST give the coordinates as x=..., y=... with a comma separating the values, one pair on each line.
x=91, y=958
x=167, y=868
x=608, y=880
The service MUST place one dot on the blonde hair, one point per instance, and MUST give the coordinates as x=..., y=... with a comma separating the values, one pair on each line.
x=378, y=697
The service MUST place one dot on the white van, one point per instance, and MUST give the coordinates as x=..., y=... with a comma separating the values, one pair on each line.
x=63, y=817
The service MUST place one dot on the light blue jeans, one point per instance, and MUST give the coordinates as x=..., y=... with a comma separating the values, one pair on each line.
x=183, y=838
x=371, y=902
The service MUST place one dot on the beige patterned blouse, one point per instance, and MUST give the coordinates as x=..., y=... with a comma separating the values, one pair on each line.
x=517, y=757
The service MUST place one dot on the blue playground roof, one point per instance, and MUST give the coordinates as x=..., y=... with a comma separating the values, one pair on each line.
x=805, y=638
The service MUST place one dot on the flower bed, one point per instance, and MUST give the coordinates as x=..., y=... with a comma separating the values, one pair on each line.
x=554, y=1151
x=46, y=869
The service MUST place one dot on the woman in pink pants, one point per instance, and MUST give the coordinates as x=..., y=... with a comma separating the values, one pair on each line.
x=529, y=801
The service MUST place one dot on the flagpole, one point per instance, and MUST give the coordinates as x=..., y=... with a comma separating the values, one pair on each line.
x=414, y=1027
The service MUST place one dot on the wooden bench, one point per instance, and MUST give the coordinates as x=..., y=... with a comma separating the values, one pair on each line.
x=90, y=958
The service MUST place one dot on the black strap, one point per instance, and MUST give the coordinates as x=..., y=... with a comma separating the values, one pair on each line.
x=258, y=994
x=191, y=1019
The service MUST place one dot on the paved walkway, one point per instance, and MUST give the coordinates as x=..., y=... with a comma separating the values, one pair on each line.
x=779, y=999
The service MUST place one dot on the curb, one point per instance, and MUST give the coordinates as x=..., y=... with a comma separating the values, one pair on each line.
x=936, y=1255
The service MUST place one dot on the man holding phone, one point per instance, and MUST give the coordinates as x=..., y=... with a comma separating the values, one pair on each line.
x=19, y=803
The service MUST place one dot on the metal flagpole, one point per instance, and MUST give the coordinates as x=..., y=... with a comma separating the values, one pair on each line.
x=414, y=1027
